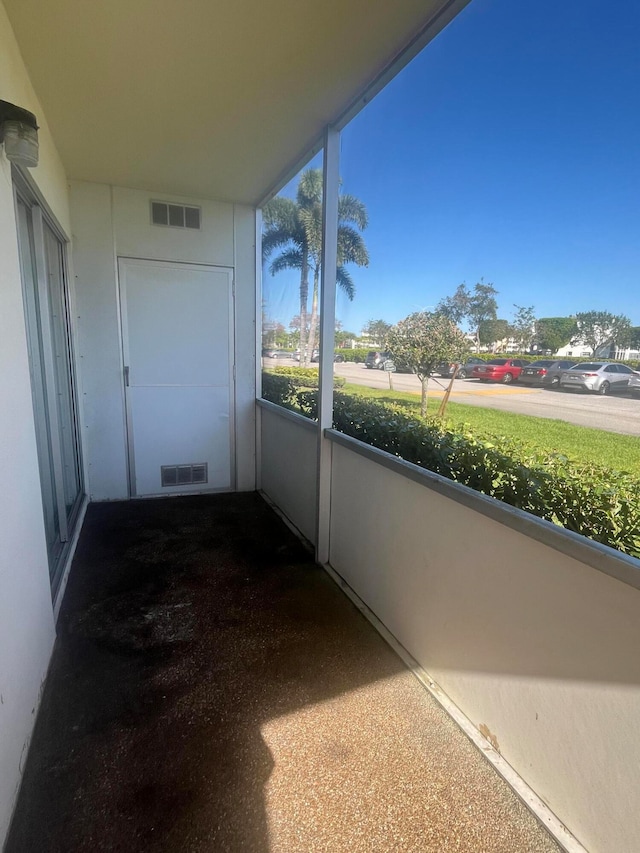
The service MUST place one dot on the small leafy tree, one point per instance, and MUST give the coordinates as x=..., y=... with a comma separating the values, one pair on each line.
x=274, y=334
x=482, y=306
x=553, y=333
x=376, y=329
x=492, y=331
x=475, y=306
x=524, y=324
x=422, y=341
x=596, y=328
x=343, y=336
x=634, y=337
x=456, y=307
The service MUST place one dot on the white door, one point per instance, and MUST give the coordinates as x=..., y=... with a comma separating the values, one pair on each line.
x=178, y=375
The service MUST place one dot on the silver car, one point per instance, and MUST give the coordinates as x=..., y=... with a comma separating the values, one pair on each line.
x=634, y=385
x=600, y=377
x=546, y=372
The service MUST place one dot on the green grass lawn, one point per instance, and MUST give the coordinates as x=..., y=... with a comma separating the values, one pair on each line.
x=583, y=444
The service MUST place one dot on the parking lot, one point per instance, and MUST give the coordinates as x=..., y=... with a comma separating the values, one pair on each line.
x=615, y=413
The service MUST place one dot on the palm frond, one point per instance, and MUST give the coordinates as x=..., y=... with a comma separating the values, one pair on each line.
x=280, y=212
x=310, y=188
x=293, y=233
x=288, y=260
x=351, y=209
x=311, y=220
x=351, y=247
x=345, y=282
x=276, y=239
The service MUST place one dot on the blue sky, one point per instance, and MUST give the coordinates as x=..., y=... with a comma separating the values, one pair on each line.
x=508, y=150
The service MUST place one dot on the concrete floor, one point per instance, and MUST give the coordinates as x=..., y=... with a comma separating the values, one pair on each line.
x=212, y=690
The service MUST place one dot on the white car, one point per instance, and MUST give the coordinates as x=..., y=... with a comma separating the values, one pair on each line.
x=600, y=377
x=296, y=355
x=634, y=385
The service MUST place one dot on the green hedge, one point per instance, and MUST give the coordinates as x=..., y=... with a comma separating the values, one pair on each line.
x=283, y=384
x=356, y=355
x=300, y=377
x=595, y=501
x=305, y=377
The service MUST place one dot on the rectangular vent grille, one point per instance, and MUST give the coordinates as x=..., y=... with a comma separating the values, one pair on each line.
x=175, y=215
x=184, y=475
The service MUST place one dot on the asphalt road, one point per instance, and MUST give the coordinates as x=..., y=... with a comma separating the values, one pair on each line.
x=614, y=413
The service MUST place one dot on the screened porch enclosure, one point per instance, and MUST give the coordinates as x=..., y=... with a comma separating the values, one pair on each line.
x=253, y=660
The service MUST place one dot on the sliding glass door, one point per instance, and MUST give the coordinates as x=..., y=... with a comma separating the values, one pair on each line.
x=46, y=306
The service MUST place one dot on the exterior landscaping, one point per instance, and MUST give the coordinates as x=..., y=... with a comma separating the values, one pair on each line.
x=551, y=469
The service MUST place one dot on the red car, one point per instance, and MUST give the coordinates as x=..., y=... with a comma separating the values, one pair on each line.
x=504, y=370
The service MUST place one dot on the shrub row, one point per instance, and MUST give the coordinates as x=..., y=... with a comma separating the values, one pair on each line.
x=592, y=500
x=354, y=354
x=595, y=501
x=283, y=384
x=306, y=377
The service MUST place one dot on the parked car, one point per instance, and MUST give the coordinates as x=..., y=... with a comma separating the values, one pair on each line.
x=269, y=353
x=599, y=377
x=297, y=354
x=464, y=370
x=634, y=384
x=545, y=372
x=377, y=360
x=505, y=370
x=337, y=357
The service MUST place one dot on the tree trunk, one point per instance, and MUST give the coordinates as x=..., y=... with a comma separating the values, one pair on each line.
x=423, y=405
x=304, y=298
x=313, y=322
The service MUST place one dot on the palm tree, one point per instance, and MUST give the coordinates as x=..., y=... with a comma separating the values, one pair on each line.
x=294, y=228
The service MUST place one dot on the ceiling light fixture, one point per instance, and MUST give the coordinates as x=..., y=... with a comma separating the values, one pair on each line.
x=19, y=133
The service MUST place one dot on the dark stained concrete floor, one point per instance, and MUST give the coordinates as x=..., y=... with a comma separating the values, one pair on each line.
x=212, y=690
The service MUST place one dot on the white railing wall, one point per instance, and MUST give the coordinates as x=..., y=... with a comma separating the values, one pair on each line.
x=540, y=650
x=289, y=457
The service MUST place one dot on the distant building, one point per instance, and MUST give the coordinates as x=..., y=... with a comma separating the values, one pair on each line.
x=506, y=345
x=574, y=350
x=609, y=350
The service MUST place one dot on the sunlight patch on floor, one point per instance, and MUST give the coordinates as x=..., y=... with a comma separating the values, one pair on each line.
x=384, y=768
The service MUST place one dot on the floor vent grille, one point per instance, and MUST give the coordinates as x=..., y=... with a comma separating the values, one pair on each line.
x=184, y=475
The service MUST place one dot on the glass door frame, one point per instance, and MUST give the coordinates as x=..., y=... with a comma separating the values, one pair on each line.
x=41, y=345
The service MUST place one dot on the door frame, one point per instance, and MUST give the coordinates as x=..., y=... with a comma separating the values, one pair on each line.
x=122, y=260
x=25, y=191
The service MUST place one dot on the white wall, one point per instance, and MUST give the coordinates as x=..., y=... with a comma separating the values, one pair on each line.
x=289, y=465
x=112, y=221
x=26, y=614
x=538, y=647
x=136, y=237
x=98, y=341
x=49, y=176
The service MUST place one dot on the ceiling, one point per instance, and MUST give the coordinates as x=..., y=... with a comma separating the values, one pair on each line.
x=201, y=97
